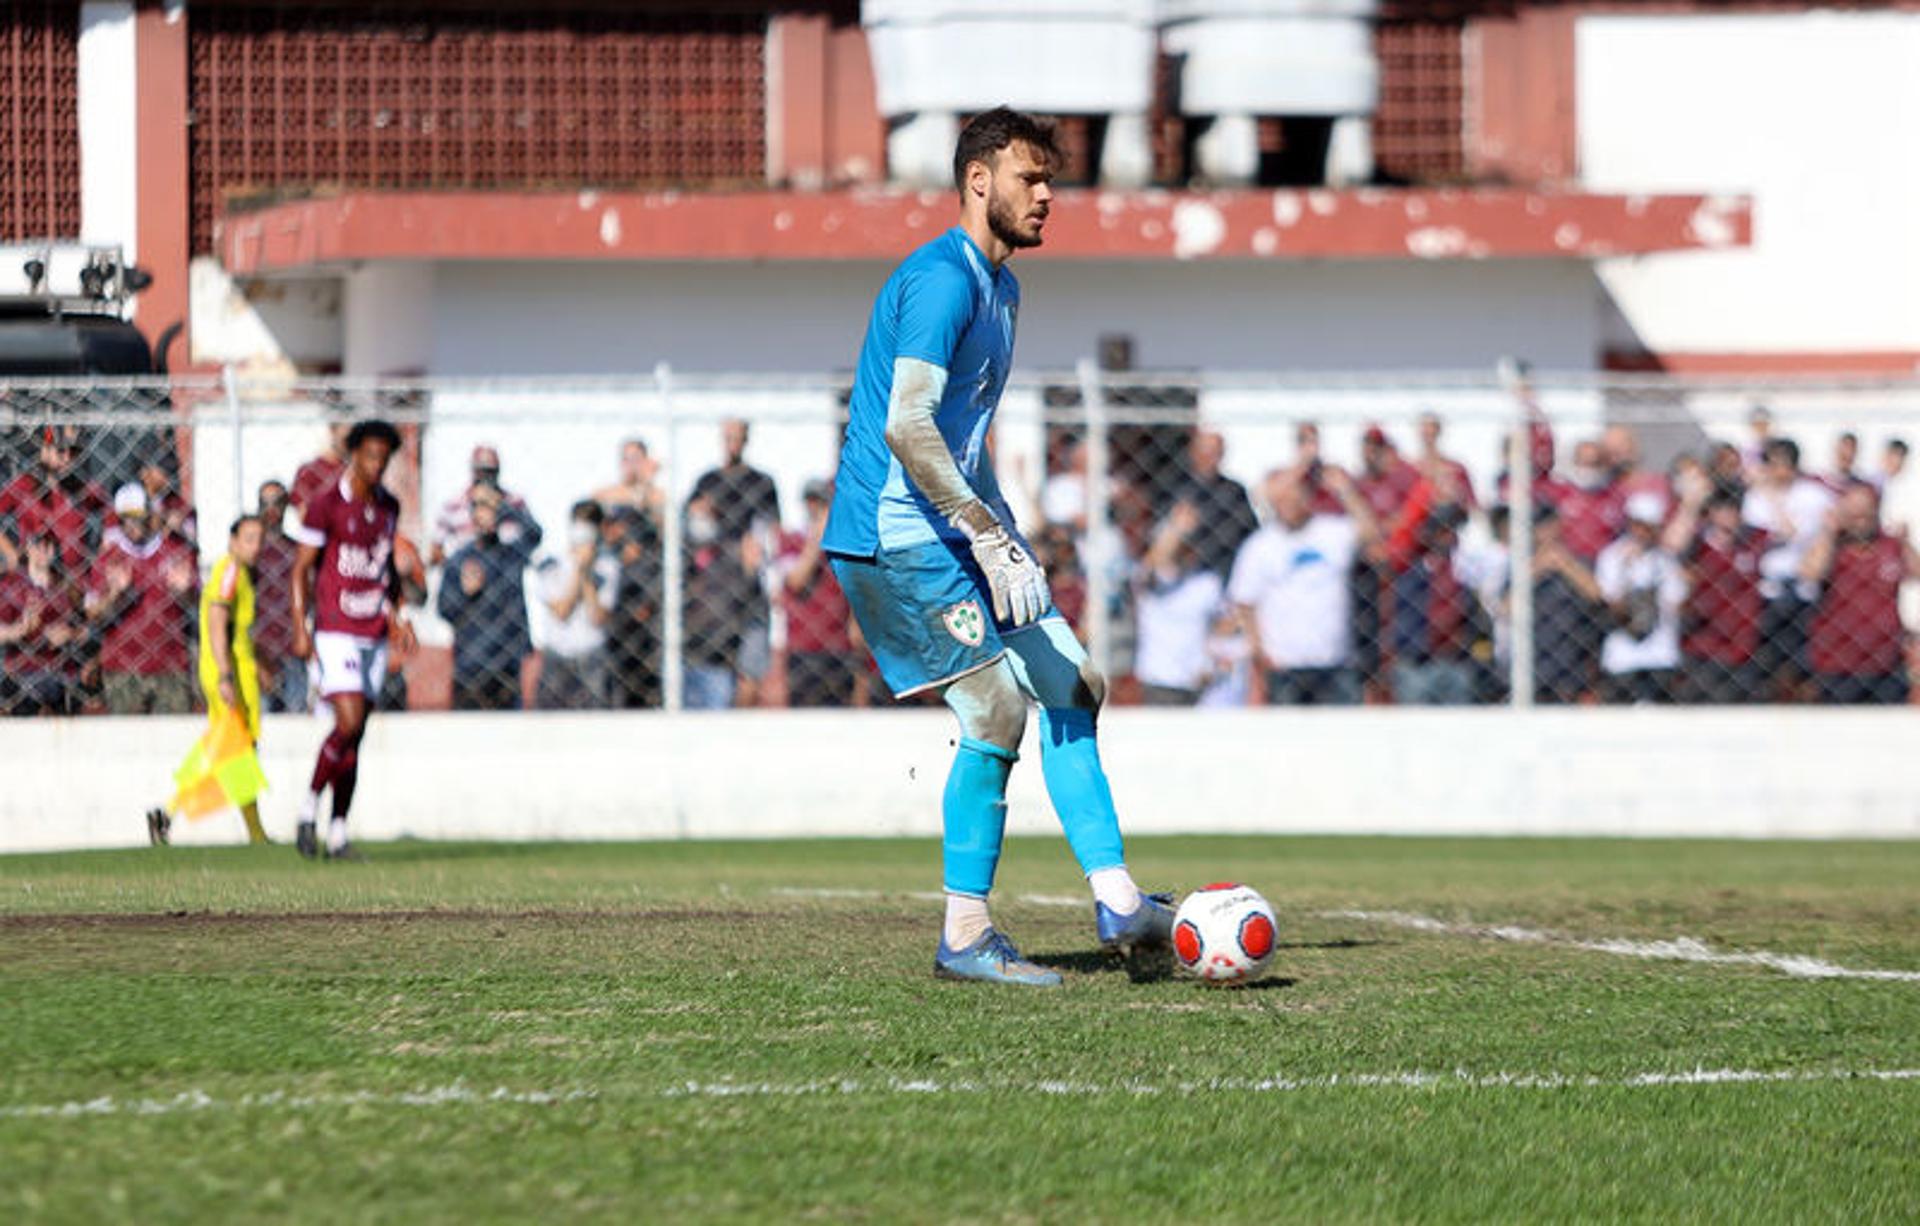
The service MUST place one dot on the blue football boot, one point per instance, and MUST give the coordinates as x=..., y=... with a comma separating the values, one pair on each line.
x=1150, y=927
x=991, y=959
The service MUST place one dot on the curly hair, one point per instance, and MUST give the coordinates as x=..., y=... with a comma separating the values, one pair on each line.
x=373, y=428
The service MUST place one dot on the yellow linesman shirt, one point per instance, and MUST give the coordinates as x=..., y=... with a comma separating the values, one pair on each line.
x=230, y=585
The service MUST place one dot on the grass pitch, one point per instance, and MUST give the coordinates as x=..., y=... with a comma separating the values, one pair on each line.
x=750, y=1032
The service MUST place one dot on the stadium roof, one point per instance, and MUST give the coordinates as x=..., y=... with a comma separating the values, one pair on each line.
x=1267, y=224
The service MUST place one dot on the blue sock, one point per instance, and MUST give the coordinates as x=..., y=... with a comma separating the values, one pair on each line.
x=1077, y=785
x=974, y=812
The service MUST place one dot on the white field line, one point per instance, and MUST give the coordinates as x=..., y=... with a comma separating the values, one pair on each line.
x=460, y=1095
x=1680, y=949
x=1459, y=1079
x=198, y=1100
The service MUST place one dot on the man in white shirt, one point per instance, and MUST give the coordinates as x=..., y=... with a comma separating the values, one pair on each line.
x=576, y=591
x=1063, y=495
x=1177, y=601
x=1644, y=587
x=1791, y=507
x=1291, y=587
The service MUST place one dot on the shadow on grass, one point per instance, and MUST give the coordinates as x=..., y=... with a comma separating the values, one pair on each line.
x=1140, y=968
x=1144, y=967
x=1342, y=943
x=1156, y=966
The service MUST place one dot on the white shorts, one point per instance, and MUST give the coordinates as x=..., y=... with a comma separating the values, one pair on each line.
x=348, y=664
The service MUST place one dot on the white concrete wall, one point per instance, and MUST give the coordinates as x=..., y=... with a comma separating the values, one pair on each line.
x=1815, y=115
x=107, y=127
x=387, y=319
x=510, y=318
x=269, y=327
x=1628, y=772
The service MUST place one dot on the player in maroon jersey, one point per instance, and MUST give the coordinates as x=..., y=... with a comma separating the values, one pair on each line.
x=345, y=582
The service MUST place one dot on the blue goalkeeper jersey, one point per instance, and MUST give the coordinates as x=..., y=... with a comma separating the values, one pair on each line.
x=945, y=305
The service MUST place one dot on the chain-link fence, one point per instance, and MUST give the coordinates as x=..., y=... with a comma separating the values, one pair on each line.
x=1216, y=539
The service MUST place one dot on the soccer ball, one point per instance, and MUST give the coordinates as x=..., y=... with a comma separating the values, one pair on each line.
x=1224, y=933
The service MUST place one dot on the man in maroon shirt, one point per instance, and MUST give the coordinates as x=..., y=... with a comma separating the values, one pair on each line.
x=55, y=500
x=1384, y=479
x=1620, y=445
x=1436, y=619
x=344, y=576
x=1448, y=476
x=1720, y=621
x=40, y=630
x=283, y=677
x=1856, y=642
x=1591, y=503
x=320, y=473
x=821, y=664
x=171, y=512
x=1311, y=471
x=140, y=599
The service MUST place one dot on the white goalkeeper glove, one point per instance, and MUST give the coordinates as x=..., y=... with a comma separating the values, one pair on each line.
x=1018, y=584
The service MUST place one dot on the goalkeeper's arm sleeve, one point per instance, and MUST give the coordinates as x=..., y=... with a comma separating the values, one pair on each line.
x=916, y=441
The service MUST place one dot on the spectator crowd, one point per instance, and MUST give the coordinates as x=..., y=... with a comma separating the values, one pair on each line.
x=1735, y=573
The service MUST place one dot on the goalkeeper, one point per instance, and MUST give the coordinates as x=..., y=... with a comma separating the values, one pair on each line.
x=228, y=675
x=947, y=593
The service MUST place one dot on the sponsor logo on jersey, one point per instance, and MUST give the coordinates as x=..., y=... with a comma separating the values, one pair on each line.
x=366, y=562
x=363, y=603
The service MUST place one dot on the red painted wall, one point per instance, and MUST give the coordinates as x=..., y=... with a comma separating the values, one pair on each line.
x=160, y=124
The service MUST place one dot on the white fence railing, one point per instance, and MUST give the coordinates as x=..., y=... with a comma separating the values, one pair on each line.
x=1219, y=538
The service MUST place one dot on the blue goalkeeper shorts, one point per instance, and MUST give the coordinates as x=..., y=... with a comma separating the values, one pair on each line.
x=926, y=612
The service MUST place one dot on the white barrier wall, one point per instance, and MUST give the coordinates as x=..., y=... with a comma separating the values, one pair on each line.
x=1635, y=772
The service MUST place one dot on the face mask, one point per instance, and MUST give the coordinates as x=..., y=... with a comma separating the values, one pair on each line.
x=1589, y=478
x=582, y=533
x=702, y=530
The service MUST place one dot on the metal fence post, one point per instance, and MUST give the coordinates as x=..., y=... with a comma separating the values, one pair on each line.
x=673, y=572
x=231, y=387
x=1519, y=537
x=1099, y=544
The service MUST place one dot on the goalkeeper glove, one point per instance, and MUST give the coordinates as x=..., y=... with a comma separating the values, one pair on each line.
x=1018, y=584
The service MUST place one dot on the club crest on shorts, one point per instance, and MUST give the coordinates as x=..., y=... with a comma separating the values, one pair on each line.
x=965, y=623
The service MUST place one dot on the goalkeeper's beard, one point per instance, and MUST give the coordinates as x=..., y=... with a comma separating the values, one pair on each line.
x=1005, y=224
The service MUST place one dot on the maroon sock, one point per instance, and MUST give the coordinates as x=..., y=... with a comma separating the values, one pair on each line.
x=344, y=777
x=327, y=766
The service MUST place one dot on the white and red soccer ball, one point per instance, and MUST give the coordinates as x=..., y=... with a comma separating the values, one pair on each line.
x=1224, y=933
